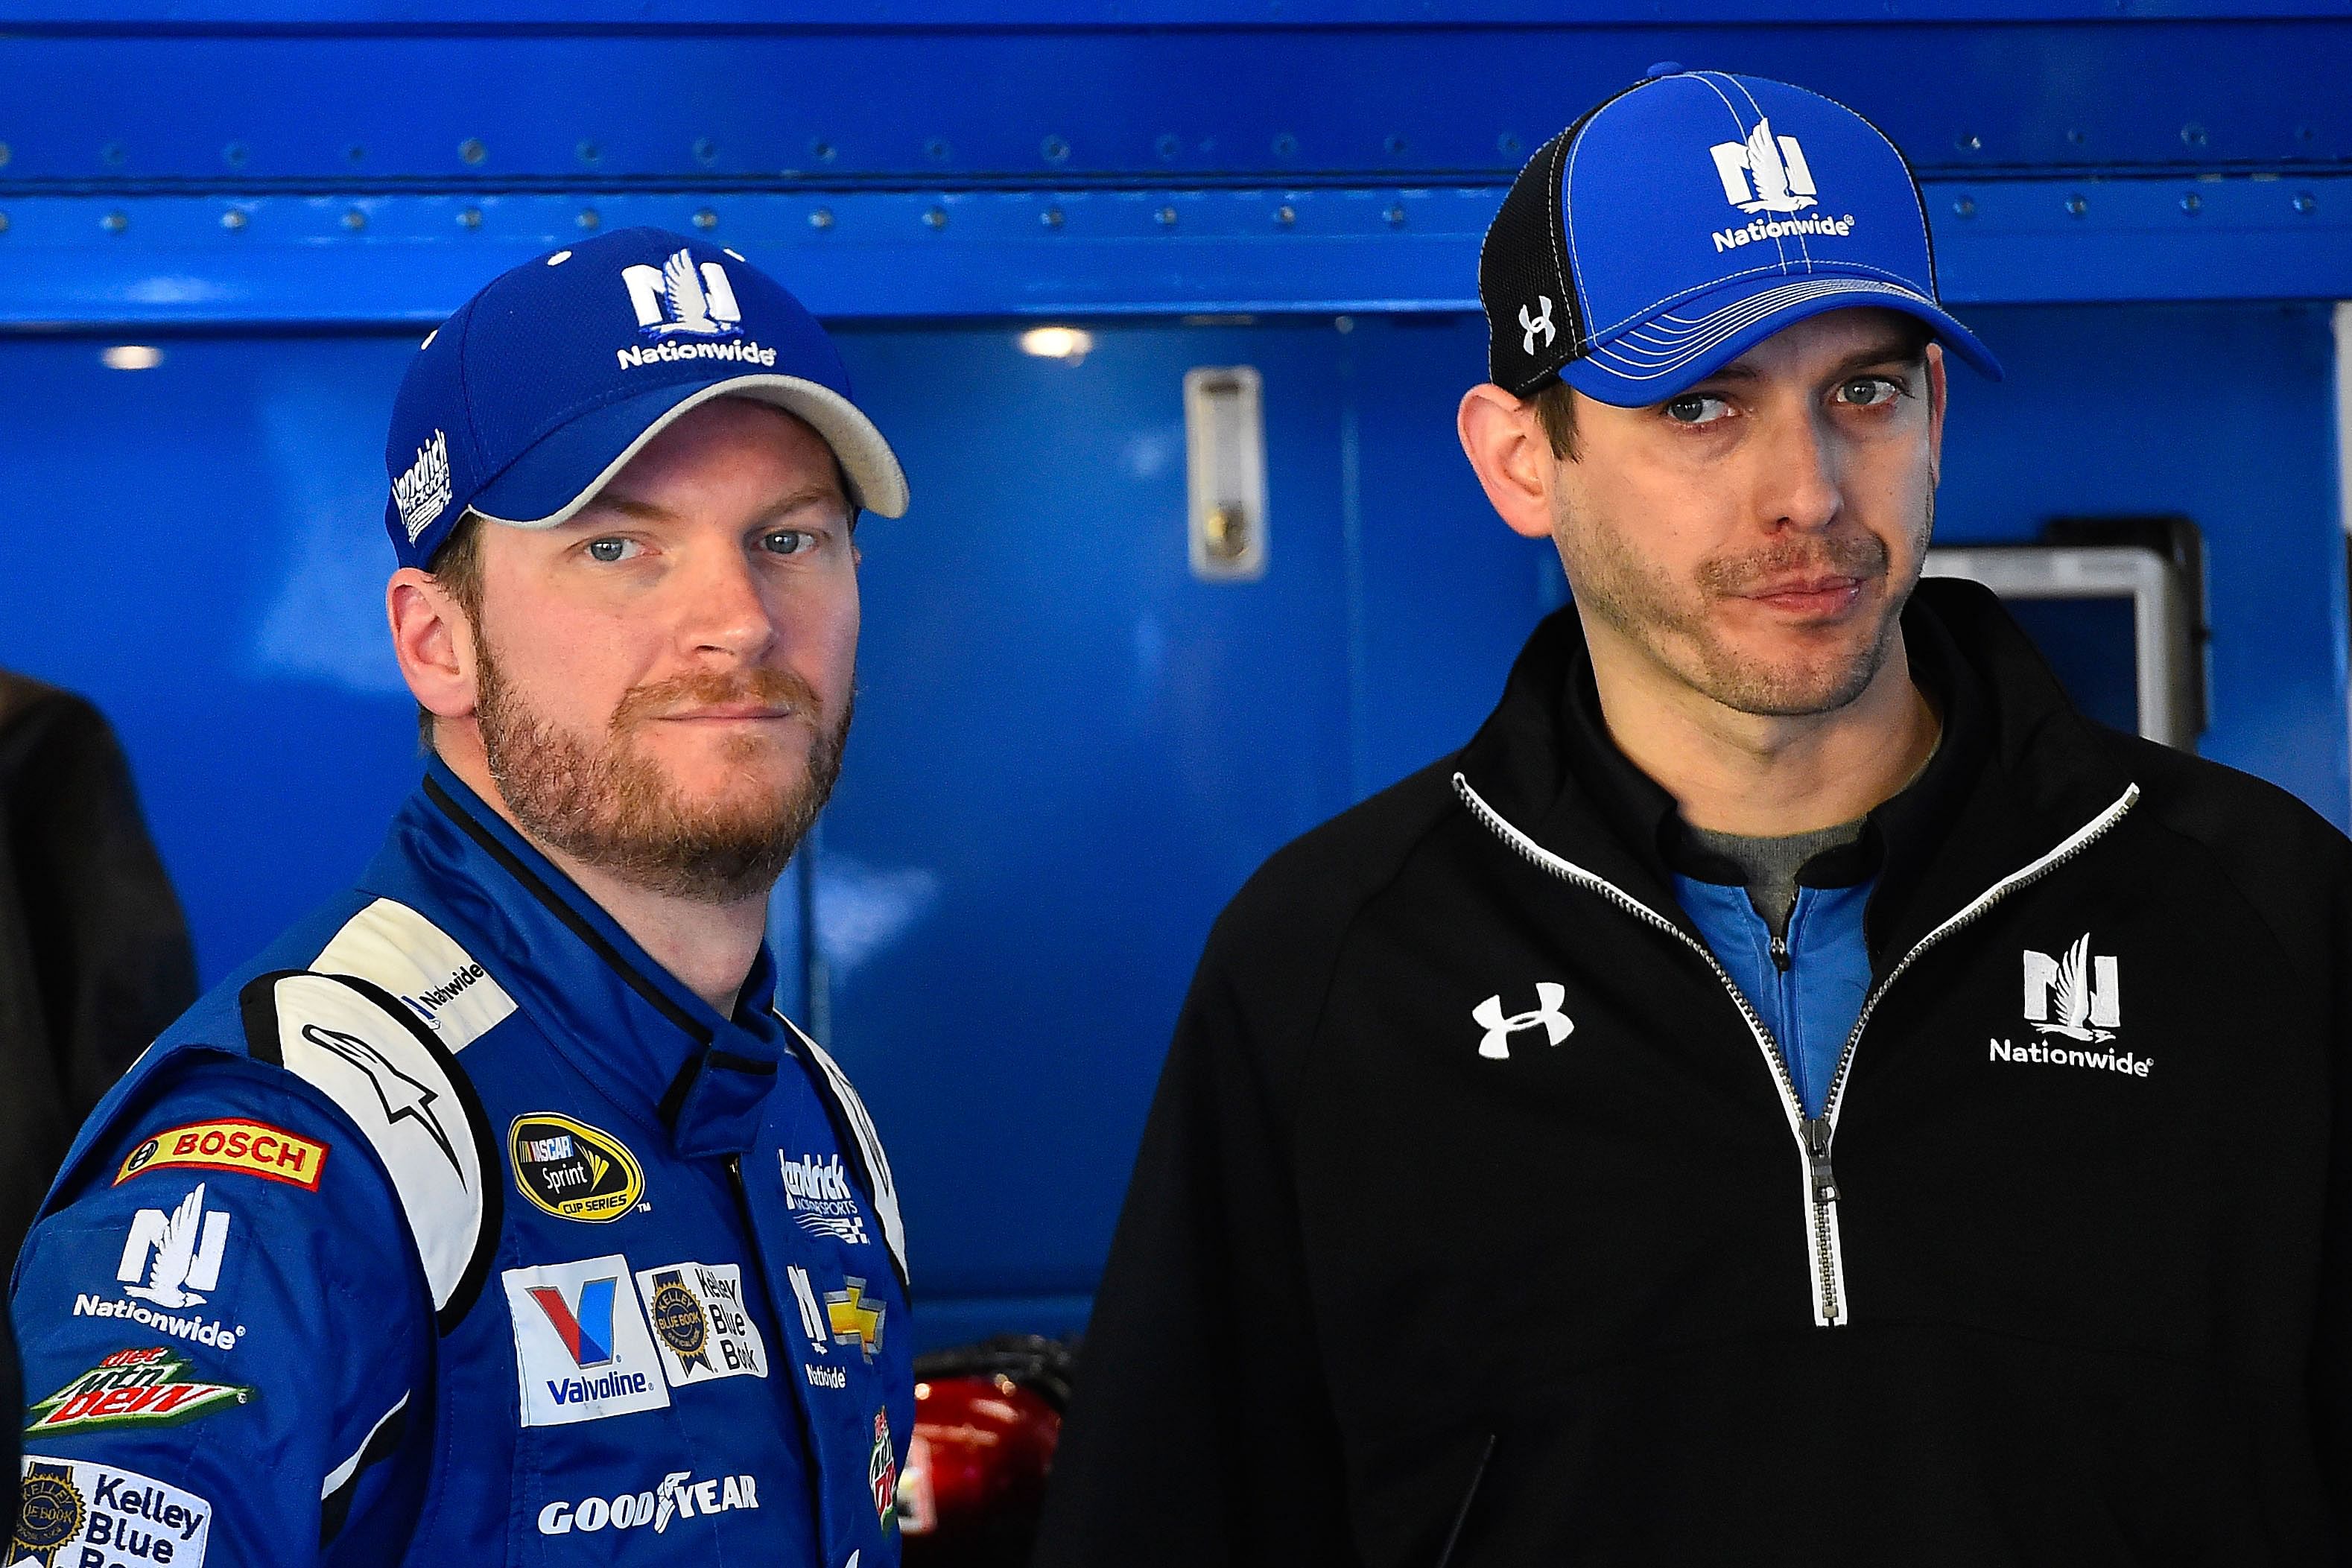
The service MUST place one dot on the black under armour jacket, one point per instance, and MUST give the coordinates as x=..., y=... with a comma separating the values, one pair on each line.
x=2060, y=1275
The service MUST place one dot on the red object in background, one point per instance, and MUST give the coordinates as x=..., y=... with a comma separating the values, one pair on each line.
x=976, y=1469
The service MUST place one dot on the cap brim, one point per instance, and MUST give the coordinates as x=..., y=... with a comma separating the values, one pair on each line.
x=546, y=486
x=1673, y=350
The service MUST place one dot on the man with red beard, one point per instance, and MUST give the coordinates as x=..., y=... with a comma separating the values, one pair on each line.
x=496, y=1203
x=1790, y=1089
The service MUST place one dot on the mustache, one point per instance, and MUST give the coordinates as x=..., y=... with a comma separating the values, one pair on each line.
x=1858, y=555
x=711, y=689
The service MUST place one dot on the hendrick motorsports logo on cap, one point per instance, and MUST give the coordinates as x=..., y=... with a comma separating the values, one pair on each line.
x=422, y=492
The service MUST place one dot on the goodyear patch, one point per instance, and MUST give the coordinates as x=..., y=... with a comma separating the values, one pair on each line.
x=572, y=1170
x=232, y=1143
x=146, y=1387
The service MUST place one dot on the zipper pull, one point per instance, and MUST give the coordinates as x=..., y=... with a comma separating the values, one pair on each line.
x=1779, y=947
x=1817, y=1160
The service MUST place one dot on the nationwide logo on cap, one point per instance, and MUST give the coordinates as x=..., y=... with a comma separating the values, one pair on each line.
x=422, y=492
x=679, y=297
x=1766, y=173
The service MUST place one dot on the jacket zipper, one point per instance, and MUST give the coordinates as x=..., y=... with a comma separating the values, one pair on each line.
x=1825, y=1258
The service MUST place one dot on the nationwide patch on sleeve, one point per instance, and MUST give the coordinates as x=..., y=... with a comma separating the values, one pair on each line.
x=231, y=1144
x=75, y=1512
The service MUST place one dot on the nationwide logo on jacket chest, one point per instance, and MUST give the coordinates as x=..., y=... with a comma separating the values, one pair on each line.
x=572, y=1170
x=147, y=1388
x=76, y=1515
x=2074, y=1002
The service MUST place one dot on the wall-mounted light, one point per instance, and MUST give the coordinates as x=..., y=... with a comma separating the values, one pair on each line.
x=132, y=356
x=1069, y=344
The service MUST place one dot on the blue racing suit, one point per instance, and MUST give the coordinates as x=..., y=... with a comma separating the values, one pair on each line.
x=453, y=1230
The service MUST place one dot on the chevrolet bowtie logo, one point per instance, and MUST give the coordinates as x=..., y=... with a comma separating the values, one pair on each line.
x=853, y=1319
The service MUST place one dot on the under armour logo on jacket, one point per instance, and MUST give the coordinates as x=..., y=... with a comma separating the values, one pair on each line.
x=1535, y=324
x=1496, y=1044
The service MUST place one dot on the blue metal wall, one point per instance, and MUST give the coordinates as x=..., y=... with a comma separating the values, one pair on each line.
x=1069, y=751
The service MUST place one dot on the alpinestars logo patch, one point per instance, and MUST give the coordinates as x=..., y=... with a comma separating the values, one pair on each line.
x=422, y=494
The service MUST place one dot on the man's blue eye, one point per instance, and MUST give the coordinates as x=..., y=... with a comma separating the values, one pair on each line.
x=606, y=550
x=785, y=542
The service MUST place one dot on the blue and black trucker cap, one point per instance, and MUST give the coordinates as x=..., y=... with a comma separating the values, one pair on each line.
x=523, y=405
x=1686, y=220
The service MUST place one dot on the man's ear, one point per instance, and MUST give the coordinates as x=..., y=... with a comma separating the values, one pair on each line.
x=434, y=641
x=1508, y=451
x=1938, y=391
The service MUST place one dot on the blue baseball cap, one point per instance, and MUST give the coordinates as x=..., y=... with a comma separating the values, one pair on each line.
x=1687, y=219
x=522, y=405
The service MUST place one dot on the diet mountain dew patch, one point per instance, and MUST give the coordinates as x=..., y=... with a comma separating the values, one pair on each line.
x=146, y=1387
x=572, y=1170
x=76, y=1515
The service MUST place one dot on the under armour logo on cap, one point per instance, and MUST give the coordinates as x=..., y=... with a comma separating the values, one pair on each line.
x=1496, y=1044
x=1536, y=324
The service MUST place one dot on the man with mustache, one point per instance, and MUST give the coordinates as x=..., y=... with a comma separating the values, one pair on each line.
x=494, y=1214
x=1790, y=1089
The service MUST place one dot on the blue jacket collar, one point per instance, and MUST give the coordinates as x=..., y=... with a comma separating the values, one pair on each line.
x=656, y=1047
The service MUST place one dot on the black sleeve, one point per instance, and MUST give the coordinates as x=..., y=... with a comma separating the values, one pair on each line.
x=94, y=956
x=2331, y=1375
x=1201, y=1431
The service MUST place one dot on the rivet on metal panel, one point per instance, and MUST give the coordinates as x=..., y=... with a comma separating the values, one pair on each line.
x=111, y=152
x=2078, y=204
x=3, y=223
x=1395, y=144
x=1284, y=145
x=2304, y=134
x=354, y=219
x=589, y=218
x=2192, y=204
x=234, y=154
x=234, y=219
x=936, y=150
x=2192, y=134
x=1285, y=215
x=1964, y=207
x=1508, y=141
x=705, y=150
x=472, y=150
x=822, y=151
x=1166, y=218
x=1343, y=325
x=1055, y=149
x=2075, y=137
x=114, y=223
x=470, y=218
x=937, y=217
x=4, y=155
x=588, y=151
x=1168, y=146
x=2305, y=202
x=706, y=219
x=1051, y=217
x=821, y=218
x=355, y=153
x=1395, y=216
x=1968, y=141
